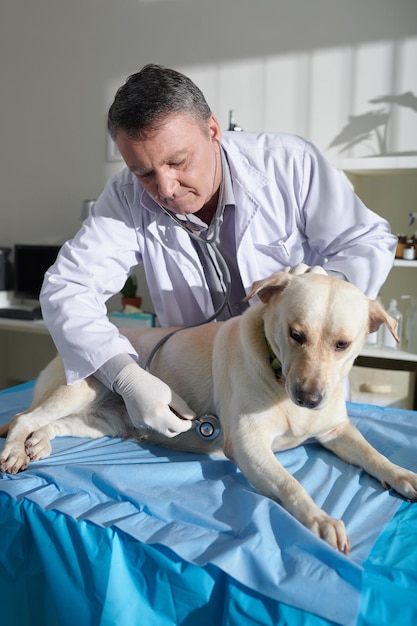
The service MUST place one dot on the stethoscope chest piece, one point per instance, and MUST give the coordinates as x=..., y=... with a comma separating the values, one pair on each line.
x=208, y=426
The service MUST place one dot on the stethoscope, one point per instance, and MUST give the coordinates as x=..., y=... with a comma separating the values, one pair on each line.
x=207, y=425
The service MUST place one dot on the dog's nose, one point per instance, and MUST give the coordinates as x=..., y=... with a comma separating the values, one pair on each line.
x=306, y=398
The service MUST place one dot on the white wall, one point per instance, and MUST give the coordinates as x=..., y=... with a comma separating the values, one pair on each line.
x=314, y=92
x=292, y=65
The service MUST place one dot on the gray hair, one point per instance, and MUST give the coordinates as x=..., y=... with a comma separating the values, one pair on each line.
x=147, y=97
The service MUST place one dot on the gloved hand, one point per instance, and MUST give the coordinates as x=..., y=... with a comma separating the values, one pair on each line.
x=302, y=268
x=147, y=399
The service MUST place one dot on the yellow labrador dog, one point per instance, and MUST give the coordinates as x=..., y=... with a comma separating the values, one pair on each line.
x=274, y=377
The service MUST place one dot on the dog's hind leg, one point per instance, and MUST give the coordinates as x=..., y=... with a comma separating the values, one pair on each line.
x=38, y=444
x=56, y=403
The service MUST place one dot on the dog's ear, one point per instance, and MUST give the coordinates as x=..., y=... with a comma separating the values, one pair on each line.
x=267, y=287
x=378, y=316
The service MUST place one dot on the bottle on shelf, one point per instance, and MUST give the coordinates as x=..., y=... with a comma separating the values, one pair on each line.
x=411, y=302
x=410, y=324
x=412, y=338
x=388, y=340
x=402, y=240
x=409, y=251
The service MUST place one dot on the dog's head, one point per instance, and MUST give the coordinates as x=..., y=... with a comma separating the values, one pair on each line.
x=316, y=326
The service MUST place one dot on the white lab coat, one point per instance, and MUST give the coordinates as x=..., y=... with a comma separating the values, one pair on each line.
x=292, y=206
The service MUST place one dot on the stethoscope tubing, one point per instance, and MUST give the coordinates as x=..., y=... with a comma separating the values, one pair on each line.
x=211, y=241
x=208, y=425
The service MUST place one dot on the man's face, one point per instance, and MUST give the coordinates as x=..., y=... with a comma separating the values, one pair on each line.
x=179, y=164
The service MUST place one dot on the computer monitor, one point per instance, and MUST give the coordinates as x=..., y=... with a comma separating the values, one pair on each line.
x=31, y=261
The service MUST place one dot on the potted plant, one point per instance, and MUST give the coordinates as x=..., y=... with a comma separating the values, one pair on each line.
x=129, y=290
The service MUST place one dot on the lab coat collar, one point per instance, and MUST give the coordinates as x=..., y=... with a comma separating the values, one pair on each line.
x=249, y=184
x=249, y=177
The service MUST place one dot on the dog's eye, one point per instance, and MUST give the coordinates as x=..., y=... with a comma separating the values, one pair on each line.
x=297, y=336
x=341, y=345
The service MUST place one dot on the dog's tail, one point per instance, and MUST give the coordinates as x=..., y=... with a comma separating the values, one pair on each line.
x=4, y=430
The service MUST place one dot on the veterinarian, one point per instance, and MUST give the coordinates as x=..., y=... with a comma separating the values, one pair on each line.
x=268, y=201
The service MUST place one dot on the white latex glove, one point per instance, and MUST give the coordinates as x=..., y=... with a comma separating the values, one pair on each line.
x=302, y=268
x=148, y=400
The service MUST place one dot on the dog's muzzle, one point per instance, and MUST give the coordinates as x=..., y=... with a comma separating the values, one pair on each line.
x=305, y=398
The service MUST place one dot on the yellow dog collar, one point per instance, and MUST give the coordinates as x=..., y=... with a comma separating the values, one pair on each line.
x=274, y=361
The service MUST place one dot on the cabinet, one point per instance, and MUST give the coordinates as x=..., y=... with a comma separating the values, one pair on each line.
x=25, y=349
x=388, y=186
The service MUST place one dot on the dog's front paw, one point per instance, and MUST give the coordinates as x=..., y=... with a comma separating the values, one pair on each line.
x=38, y=445
x=403, y=482
x=332, y=531
x=13, y=459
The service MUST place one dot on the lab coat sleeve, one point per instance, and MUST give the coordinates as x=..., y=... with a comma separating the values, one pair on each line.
x=89, y=269
x=356, y=242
